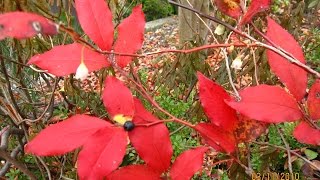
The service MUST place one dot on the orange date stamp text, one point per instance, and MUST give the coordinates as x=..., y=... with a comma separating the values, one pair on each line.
x=275, y=176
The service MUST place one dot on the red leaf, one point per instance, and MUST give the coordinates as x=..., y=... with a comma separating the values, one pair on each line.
x=134, y=172
x=102, y=153
x=294, y=77
x=219, y=139
x=266, y=103
x=306, y=134
x=96, y=21
x=142, y=116
x=255, y=7
x=65, y=136
x=118, y=99
x=212, y=98
x=229, y=7
x=24, y=25
x=130, y=35
x=187, y=164
x=65, y=59
x=152, y=143
x=249, y=129
x=314, y=101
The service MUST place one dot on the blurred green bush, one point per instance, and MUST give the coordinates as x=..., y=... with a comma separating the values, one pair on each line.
x=156, y=9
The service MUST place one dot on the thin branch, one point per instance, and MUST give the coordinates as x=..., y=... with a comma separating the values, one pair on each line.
x=230, y=75
x=17, y=164
x=45, y=166
x=154, y=123
x=221, y=161
x=275, y=48
x=6, y=76
x=46, y=109
x=255, y=65
x=291, y=151
x=186, y=51
x=7, y=166
x=148, y=97
x=249, y=171
x=307, y=118
x=288, y=150
x=177, y=130
x=5, y=133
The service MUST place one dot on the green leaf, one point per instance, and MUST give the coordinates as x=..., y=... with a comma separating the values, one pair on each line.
x=313, y=4
x=310, y=154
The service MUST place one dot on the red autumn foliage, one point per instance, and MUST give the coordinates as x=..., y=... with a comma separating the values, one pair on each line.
x=255, y=7
x=134, y=172
x=65, y=59
x=63, y=137
x=117, y=98
x=103, y=144
x=96, y=21
x=313, y=101
x=187, y=164
x=249, y=129
x=101, y=32
x=22, y=25
x=265, y=103
x=130, y=39
x=224, y=120
x=106, y=149
x=212, y=97
x=304, y=133
x=229, y=7
x=219, y=139
x=294, y=77
x=152, y=143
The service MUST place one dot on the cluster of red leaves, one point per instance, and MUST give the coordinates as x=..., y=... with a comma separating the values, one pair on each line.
x=226, y=129
x=96, y=21
x=104, y=143
x=233, y=8
x=263, y=103
x=273, y=104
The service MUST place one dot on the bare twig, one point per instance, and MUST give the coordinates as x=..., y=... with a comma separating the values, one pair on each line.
x=153, y=123
x=5, y=133
x=149, y=98
x=288, y=150
x=9, y=88
x=7, y=165
x=17, y=164
x=291, y=151
x=48, y=106
x=255, y=66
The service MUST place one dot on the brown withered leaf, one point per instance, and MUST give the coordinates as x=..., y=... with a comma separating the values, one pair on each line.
x=248, y=129
x=231, y=8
